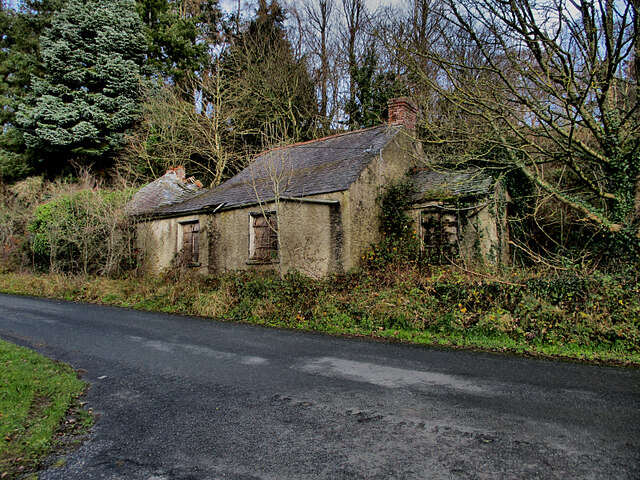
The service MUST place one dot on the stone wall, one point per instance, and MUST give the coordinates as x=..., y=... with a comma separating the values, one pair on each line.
x=310, y=238
x=363, y=212
x=482, y=227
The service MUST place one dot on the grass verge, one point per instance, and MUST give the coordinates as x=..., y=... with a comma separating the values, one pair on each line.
x=593, y=318
x=38, y=409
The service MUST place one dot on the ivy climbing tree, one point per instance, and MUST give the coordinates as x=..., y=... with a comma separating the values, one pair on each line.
x=89, y=94
x=553, y=85
x=373, y=87
x=179, y=34
x=267, y=87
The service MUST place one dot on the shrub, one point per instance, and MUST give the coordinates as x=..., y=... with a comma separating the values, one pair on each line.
x=83, y=232
x=16, y=204
x=584, y=315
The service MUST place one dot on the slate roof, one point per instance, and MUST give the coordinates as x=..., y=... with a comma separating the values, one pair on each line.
x=166, y=190
x=329, y=164
x=431, y=185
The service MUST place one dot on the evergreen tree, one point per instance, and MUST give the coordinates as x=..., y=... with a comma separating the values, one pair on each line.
x=179, y=34
x=19, y=60
x=269, y=90
x=372, y=88
x=89, y=93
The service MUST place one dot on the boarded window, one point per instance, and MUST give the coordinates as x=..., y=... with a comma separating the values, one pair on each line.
x=264, y=237
x=439, y=232
x=190, y=242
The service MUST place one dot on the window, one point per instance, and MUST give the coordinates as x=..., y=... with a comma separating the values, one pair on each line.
x=263, y=237
x=190, y=242
x=439, y=232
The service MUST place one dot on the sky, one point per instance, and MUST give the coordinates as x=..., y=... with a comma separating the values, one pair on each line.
x=371, y=4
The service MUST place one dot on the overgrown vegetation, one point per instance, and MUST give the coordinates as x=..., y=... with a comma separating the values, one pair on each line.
x=544, y=92
x=399, y=243
x=75, y=226
x=530, y=87
x=81, y=232
x=558, y=117
x=574, y=314
x=578, y=311
x=38, y=406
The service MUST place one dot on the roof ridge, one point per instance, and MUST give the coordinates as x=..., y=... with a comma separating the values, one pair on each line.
x=311, y=167
x=335, y=135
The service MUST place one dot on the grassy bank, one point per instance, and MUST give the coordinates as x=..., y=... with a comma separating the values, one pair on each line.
x=594, y=317
x=38, y=409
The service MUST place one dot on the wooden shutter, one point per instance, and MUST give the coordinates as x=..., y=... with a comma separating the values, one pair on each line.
x=439, y=234
x=439, y=228
x=191, y=242
x=265, y=238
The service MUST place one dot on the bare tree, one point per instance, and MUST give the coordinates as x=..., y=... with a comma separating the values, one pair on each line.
x=264, y=82
x=345, y=57
x=320, y=17
x=270, y=177
x=354, y=18
x=318, y=24
x=554, y=85
x=174, y=131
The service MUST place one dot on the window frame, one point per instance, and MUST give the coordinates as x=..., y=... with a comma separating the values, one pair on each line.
x=273, y=247
x=446, y=242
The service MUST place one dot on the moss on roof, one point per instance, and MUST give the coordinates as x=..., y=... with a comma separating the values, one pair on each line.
x=329, y=164
x=431, y=185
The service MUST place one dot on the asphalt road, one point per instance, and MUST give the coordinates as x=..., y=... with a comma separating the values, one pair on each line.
x=187, y=398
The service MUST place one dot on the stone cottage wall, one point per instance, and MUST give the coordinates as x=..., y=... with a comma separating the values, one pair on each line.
x=310, y=238
x=482, y=228
x=362, y=212
x=161, y=240
x=315, y=238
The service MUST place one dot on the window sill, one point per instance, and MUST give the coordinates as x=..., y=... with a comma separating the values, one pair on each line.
x=263, y=262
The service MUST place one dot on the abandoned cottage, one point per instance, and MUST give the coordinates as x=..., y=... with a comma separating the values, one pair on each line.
x=312, y=206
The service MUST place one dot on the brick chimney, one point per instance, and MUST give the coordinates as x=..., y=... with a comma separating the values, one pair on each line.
x=178, y=171
x=403, y=111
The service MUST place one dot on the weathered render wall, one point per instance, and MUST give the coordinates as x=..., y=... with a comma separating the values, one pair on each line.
x=161, y=240
x=311, y=239
x=315, y=238
x=485, y=236
x=361, y=211
x=310, y=236
x=479, y=240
